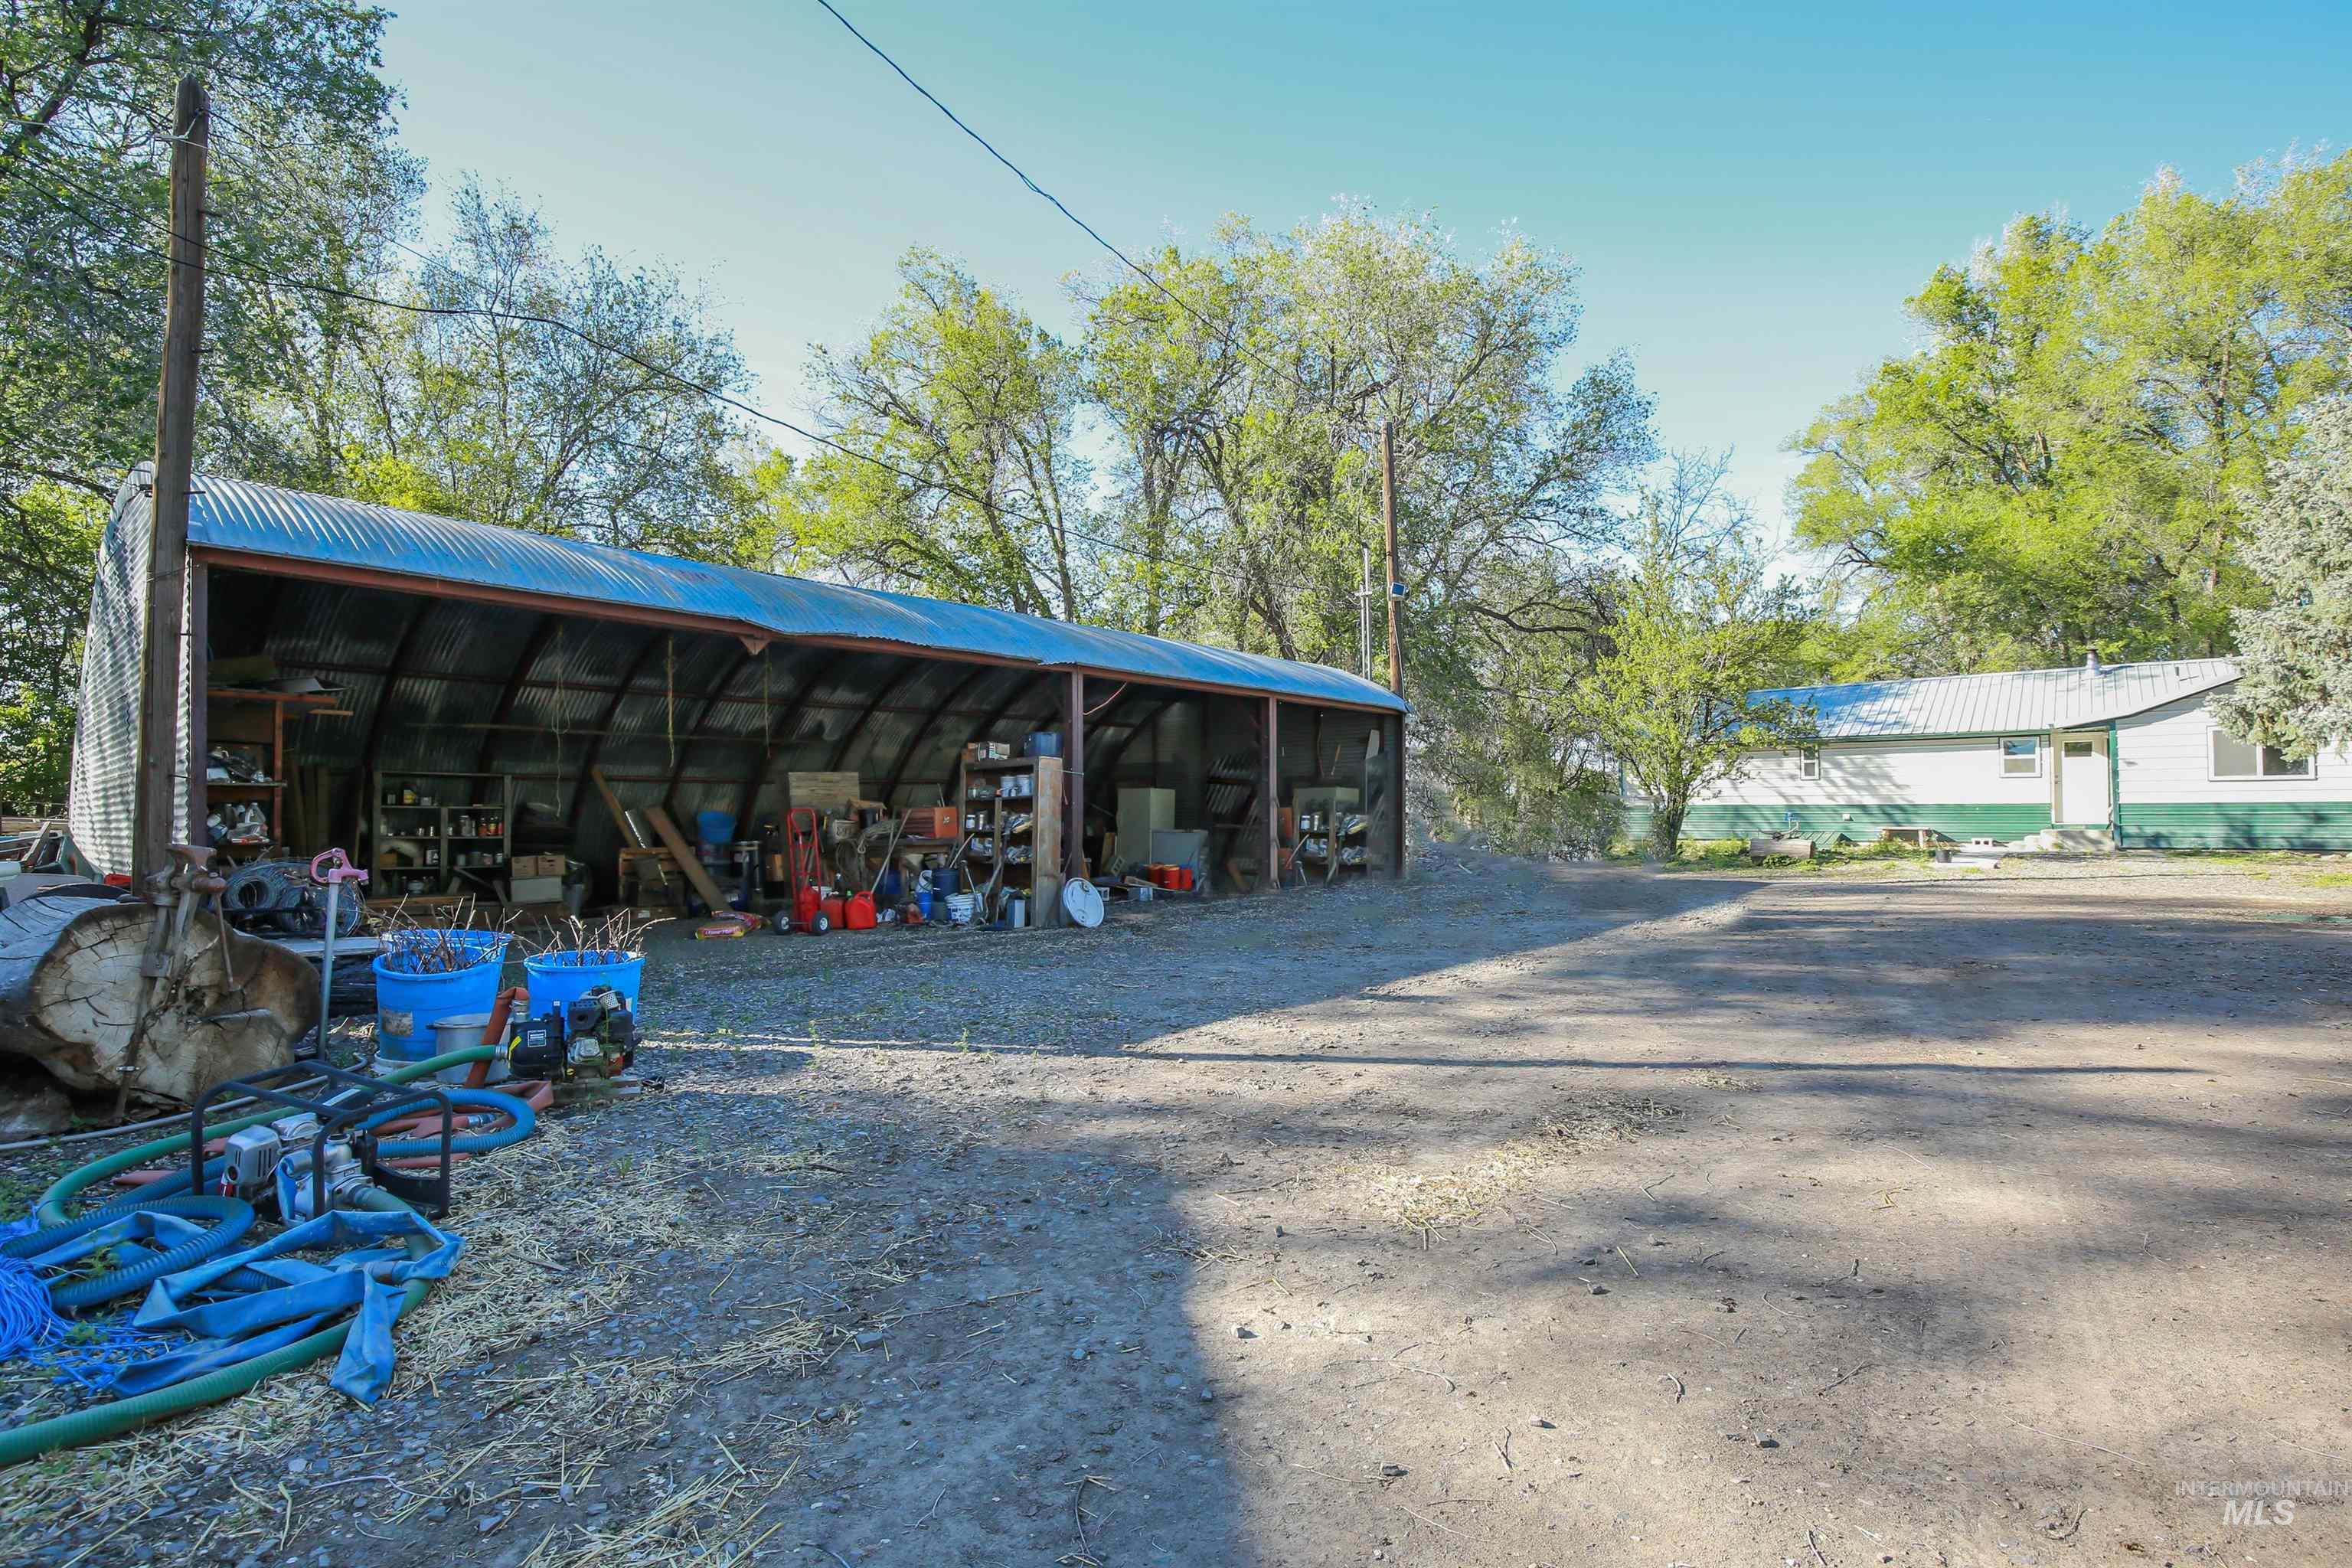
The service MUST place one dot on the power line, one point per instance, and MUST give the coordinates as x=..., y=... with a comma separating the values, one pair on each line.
x=1089, y=229
x=1282, y=579
x=256, y=273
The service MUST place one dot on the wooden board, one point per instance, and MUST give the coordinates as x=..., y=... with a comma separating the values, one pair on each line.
x=825, y=791
x=630, y=835
x=683, y=853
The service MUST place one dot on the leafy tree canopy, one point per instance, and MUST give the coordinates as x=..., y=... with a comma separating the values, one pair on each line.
x=505, y=421
x=1700, y=628
x=2297, y=691
x=2067, y=462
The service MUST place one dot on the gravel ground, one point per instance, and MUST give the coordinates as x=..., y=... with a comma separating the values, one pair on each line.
x=1514, y=1215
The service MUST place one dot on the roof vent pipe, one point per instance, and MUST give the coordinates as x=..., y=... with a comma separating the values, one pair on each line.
x=2091, y=661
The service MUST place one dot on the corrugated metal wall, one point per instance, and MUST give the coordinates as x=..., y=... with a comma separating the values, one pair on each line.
x=103, y=783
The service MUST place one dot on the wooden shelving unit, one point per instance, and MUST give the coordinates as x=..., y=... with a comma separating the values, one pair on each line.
x=235, y=716
x=989, y=817
x=472, y=801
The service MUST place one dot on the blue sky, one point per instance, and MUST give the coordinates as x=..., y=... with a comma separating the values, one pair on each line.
x=1750, y=190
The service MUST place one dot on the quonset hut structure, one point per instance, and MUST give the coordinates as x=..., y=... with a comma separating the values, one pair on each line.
x=453, y=649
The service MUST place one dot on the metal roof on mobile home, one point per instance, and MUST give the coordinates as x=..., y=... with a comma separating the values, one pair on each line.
x=2017, y=702
x=283, y=526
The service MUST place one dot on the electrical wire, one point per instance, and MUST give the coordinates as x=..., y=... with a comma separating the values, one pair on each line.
x=244, y=270
x=1089, y=229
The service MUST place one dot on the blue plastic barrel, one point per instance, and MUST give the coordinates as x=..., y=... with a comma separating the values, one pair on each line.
x=408, y=1006
x=559, y=979
x=716, y=826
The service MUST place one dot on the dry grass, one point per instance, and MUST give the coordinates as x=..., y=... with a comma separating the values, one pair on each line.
x=709, y=1521
x=1429, y=1195
x=557, y=1233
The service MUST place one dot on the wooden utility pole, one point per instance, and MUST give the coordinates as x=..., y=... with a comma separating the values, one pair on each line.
x=1395, y=584
x=167, y=539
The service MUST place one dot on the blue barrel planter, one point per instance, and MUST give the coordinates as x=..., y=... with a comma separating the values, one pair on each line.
x=408, y=1004
x=559, y=979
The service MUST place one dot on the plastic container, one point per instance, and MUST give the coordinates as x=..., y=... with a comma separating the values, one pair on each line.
x=714, y=826
x=1044, y=744
x=923, y=902
x=857, y=913
x=556, y=980
x=408, y=1006
x=836, y=911
x=960, y=909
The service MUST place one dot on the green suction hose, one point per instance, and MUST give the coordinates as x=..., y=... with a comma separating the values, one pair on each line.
x=51, y=1209
x=101, y=1421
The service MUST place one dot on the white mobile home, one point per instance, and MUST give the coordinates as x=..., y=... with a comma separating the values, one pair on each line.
x=2121, y=755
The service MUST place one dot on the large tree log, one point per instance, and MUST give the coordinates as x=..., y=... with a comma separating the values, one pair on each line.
x=71, y=997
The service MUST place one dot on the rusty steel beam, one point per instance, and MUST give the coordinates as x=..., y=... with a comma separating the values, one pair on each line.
x=717, y=694
x=978, y=673
x=364, y=779
x=541, y=635
x=887, y=690
x=662, y=617
x=750, y=794
x=1270, y=879
x=1074, y=776
x=636, y=666
x=596, y=689
x=1135, y=727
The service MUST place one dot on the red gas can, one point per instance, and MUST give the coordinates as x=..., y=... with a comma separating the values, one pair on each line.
x=859, y=913
x=836, y=911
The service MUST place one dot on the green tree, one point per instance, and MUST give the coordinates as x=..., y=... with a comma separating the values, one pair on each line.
x=306, y=178
x=2065, y=465
x=2297, y=691
x=309, y=386
x=954, y=473
x=509, y=421
x=1700, y=626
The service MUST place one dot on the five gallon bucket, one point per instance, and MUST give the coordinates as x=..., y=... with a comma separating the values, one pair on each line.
x=559, y=979
x=409, y=1005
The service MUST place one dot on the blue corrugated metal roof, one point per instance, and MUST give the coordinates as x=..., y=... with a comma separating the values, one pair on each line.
x=266, y=520
x=2011, y=703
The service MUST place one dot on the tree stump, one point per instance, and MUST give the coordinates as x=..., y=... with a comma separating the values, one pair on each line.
x=71, y=997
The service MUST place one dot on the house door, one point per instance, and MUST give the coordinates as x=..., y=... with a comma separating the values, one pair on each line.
x=2082, y=780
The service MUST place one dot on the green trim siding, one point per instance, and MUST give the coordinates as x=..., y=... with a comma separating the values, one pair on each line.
x=1961, y=822
x=2249, y=825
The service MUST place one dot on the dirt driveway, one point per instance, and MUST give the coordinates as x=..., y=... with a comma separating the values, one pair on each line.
x=1511, y=1217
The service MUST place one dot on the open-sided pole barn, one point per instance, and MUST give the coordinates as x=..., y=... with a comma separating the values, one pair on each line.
x=455, y=649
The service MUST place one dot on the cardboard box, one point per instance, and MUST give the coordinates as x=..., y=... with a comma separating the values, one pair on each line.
x=535, y=890
x=931, y=822
x=537, y=866
x=988, y=752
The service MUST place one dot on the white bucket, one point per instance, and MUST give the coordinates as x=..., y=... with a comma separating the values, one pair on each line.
x=960, y=909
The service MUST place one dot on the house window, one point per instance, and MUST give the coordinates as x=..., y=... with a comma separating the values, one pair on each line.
x=2021, y=756
x=1809, y=762
x=2236, y=759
